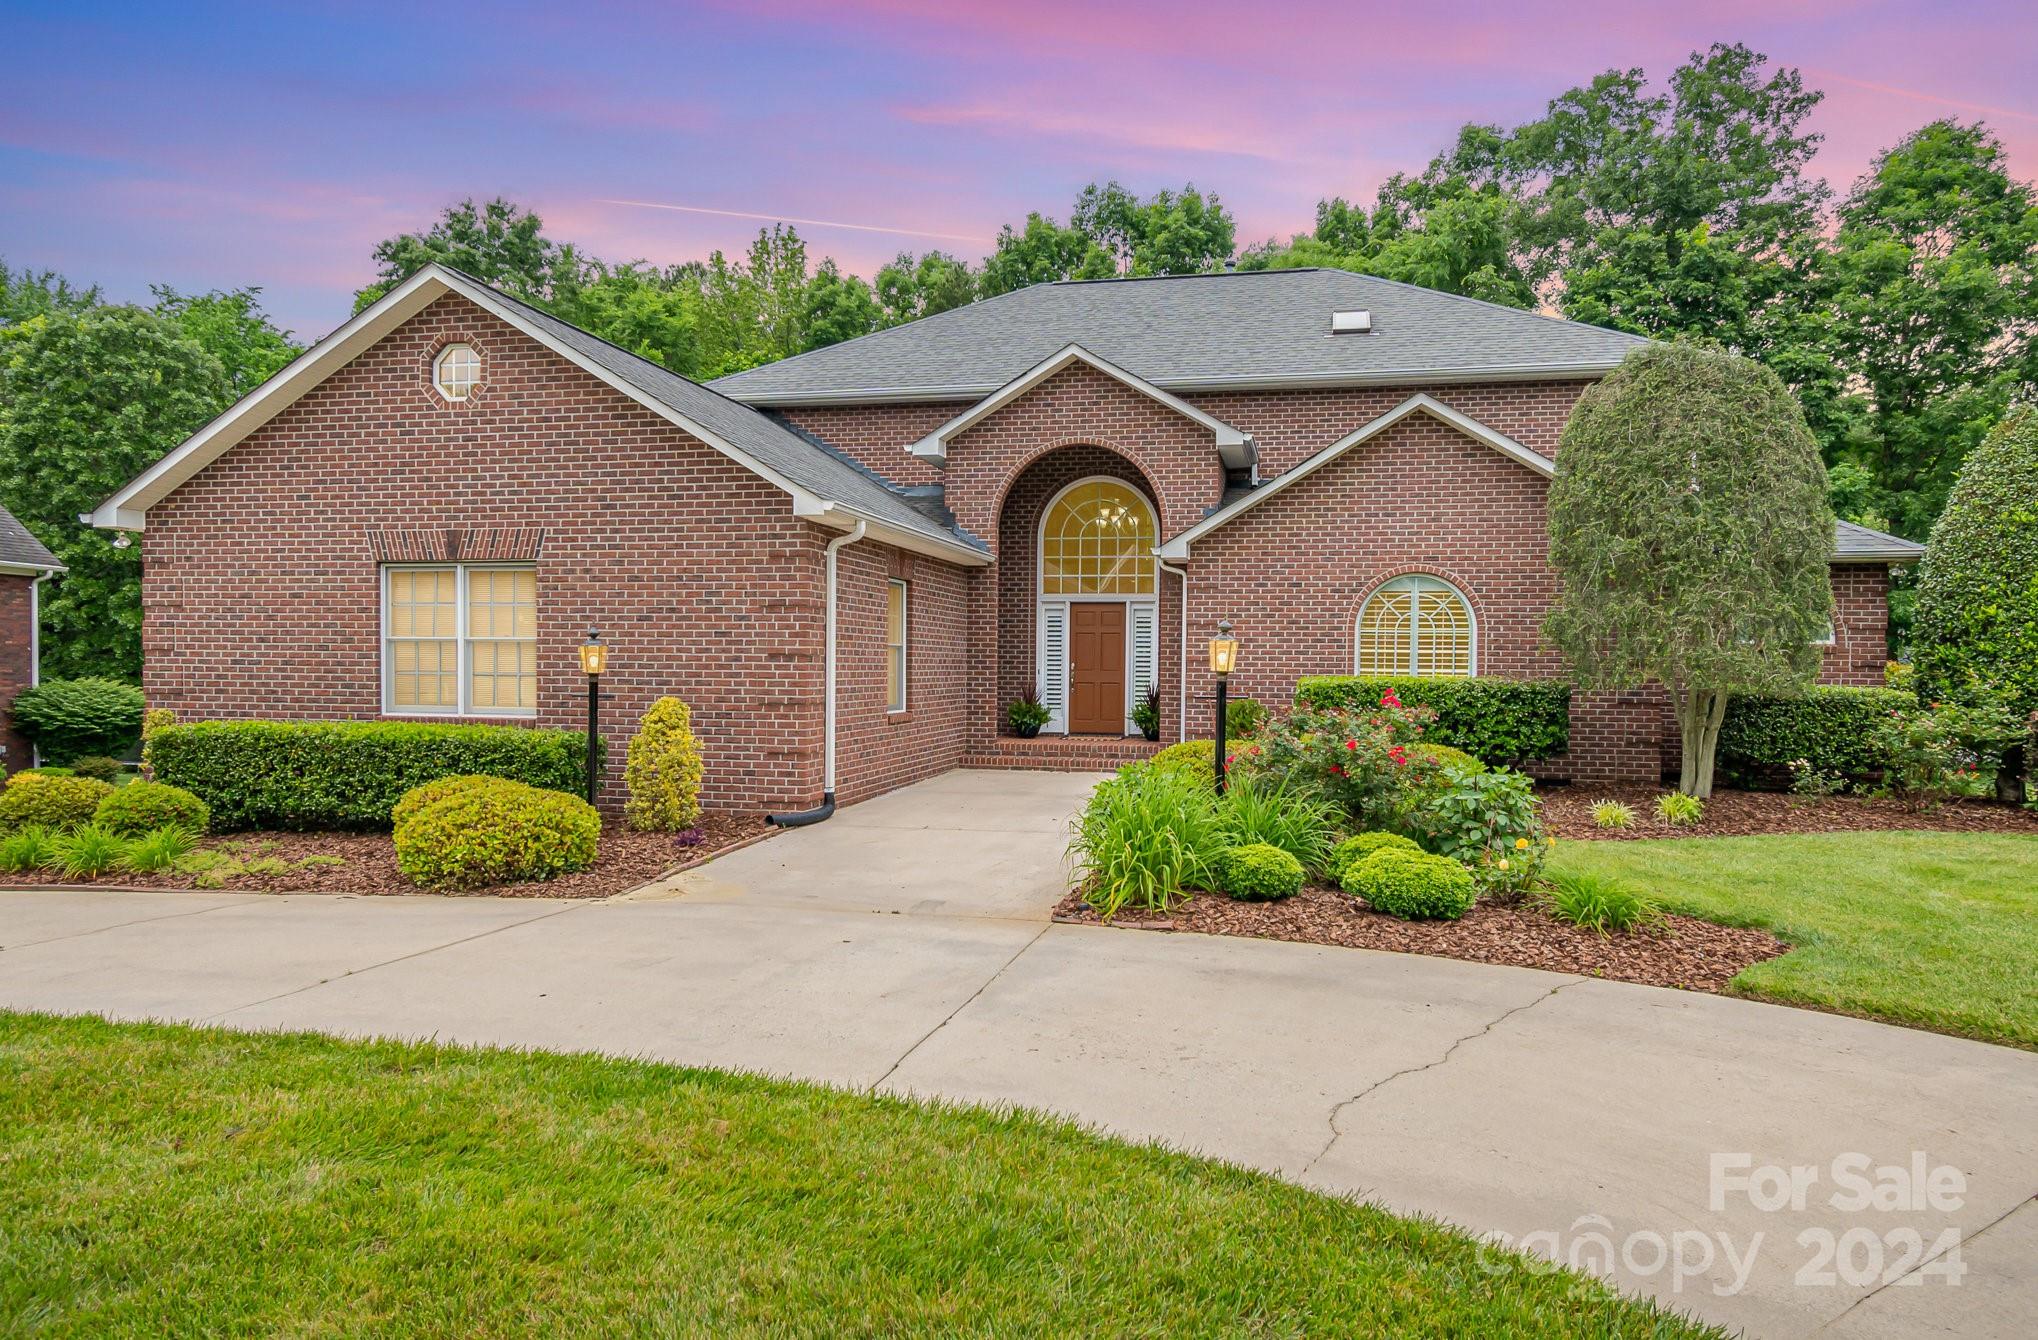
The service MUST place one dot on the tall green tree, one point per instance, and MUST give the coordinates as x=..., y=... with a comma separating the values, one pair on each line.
x=1932, y=283
x=839, y=307
x=230, y=325
x=650, y=312
x=1691, y=536
x=908, y=289
x=88, y=400
x=27, y=293
x=1166, y=233
x=500, y=243
x=1977, y=610
x=753, y=310
x=1043, y=252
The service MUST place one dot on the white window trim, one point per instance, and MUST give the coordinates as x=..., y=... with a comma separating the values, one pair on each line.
x=1058, y=675
x=1415, y=626
x=462, y=687
x=439, y=363
x=905, y=646
x=1832, y=637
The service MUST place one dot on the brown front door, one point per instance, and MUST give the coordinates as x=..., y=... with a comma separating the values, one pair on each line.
x=1096, y=668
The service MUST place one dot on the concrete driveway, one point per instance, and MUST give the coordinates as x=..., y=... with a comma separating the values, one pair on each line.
x=904, y=946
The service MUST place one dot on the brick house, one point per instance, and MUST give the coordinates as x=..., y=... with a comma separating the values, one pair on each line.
x=24, y=565
x=850, y=561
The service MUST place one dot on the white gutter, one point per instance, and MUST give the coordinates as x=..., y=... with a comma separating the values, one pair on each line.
x=35, y=648
x=827, y=805
x=1181, y=712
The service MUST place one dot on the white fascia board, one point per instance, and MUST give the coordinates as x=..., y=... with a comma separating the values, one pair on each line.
x=128, y=508
x=1178, y=547
x=1879, y=556
x=30, y=569
x=1235, y=447
x=837, y=516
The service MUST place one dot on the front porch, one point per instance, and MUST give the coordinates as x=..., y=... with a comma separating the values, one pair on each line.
x=1062, y=753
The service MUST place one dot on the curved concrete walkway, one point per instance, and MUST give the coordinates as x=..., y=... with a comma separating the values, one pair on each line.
x=905, y=946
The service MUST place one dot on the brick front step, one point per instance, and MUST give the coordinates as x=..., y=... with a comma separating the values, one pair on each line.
x=1062, y=753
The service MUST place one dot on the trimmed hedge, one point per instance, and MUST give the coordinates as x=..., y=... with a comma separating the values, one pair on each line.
x=1831, y=728
x=489, y=830
x=348, y=774
x=1493, y=720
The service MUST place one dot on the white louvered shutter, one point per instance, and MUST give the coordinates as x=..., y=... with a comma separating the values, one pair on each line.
x=1053, y=671
x=1145, y=655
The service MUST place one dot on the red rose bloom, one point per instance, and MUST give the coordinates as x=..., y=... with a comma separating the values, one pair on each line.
x=1351, y=744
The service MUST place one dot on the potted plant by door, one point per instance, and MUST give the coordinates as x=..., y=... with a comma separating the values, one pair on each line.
x=1146, y=714
x=1027, y=714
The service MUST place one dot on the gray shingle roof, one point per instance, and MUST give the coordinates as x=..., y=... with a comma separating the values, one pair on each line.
x=805, y=461
x=1249, y=328
x=20, y=549
x=1860, y=543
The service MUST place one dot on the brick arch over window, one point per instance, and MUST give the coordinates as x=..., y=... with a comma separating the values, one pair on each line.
x=1017, y=573
x=1418, y=620
x=1110, y=458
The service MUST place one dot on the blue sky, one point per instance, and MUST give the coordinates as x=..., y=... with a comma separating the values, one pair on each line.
x=225, y=145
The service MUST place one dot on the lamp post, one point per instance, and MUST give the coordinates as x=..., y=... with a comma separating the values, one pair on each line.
x=594, y=658
x=1223, y=655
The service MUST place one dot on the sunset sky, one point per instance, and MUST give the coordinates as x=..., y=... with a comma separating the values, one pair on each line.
x=224, y=145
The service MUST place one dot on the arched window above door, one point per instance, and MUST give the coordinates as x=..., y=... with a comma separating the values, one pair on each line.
x=1097, y=539
x=1417, y=625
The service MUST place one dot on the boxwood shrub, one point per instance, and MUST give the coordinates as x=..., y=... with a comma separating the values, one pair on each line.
x=1833, y=729
x=143, y=807
x=1358, y=847
x=348, y=774
x=1493, y=720
x=71, y=718
x=1257, y=872
x=1412, y=886
x=489, y=830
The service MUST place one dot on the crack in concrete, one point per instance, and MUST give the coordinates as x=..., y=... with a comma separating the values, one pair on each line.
x=400, y=958
x=118, y=925
x=1966, y=1240
x=985, y=986
x=1336, y=1133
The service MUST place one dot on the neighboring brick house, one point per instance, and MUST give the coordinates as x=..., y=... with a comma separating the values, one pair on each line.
x=24, y=565
x=1061, y=489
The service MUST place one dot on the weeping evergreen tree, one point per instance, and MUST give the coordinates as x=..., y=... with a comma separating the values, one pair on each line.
x=1691, y=536
x=1977, y=619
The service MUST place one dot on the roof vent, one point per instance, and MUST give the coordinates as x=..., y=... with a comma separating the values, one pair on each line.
x=1350, y=323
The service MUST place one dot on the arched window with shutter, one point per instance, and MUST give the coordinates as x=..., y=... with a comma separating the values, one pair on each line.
x=1417, y=625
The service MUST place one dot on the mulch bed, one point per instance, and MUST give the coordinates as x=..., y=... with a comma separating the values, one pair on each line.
x=623, y=861
x=1567, y=813
x=1683, y=952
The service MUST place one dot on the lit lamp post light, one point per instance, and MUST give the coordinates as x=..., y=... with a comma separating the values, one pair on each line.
x=1223, y=656
x=594, y=659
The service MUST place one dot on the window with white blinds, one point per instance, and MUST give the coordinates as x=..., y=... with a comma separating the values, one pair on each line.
x=1053, y=668
x=460, y=640
x=1144, y=647
x=1417, y=625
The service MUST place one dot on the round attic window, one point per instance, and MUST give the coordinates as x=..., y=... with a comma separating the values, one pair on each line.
x=456, y=371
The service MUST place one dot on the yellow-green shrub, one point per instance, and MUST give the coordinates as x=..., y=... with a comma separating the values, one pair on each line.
x=495, y=831
x=1195, y=759
x=663, y=771
x=56, y=802
x=143, y=807
x=415, y=799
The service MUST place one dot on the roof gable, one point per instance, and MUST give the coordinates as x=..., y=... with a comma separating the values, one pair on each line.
x=20, y=551
x=1245, y=330
x=1235, y=447
x=1179, y=546
x=822, y=486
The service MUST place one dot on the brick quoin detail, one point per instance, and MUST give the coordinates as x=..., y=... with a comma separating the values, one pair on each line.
x=262, y=595
x=17, y=664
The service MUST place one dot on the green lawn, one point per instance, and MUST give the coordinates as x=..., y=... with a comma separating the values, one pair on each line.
x=1937, y=930
x=158, y=1180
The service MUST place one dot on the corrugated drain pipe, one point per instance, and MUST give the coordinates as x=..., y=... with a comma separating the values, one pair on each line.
x=827, y=805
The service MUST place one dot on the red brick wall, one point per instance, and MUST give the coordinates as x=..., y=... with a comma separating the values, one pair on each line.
x=877, y=749
x=262, y=596
x=1860, y=647
x=17, y=664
